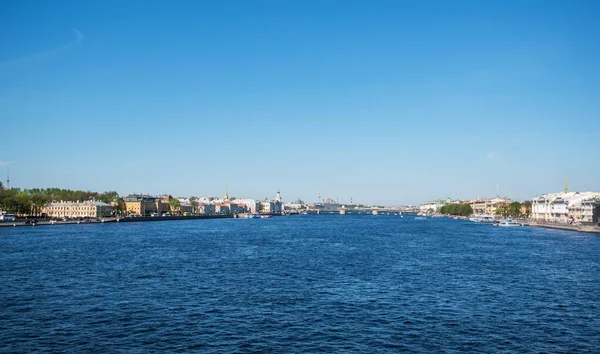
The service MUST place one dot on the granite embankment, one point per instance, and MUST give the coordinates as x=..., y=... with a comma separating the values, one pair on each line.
x=49, y=222
x=579, y=228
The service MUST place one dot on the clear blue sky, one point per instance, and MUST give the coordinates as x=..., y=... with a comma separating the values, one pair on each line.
x=392, y=102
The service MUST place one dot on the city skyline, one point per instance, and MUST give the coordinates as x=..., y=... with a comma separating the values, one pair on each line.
x=318, y=199
x=383, y=102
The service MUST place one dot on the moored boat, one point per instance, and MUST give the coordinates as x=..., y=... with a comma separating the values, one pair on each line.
x=508, y=223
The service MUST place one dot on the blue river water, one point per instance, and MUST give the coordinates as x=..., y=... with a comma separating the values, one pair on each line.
x=307, y=283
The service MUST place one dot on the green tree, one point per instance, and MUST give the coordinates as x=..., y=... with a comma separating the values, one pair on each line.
x=514, y=209
x=37, y=203
x=464, y=209
x=175, y=205
x=194, y=203
x=23, y=203
x=445, y=209
x=503, y=210
x=108, y=197
x=527, y=206
x=118, y=206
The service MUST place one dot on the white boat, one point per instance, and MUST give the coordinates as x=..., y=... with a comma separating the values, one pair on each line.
x=482, y=218
x=420, y=218
x=7, y=217
x=508, y=223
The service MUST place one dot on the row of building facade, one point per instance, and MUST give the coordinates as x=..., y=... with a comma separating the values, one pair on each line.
x=563, y=207
x=85, y=209
x=147, y=205
x=483, y=206
x=567, y=207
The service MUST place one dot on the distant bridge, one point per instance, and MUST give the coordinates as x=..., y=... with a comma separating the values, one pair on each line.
x=364, y=210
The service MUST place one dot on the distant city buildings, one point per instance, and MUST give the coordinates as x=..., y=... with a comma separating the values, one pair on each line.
x=139, y=204
x=86, y=209
x=271, y=206
x=297, y=205
x=487, y=206
x=566, y=207
x=562, y=208
x=434, y=205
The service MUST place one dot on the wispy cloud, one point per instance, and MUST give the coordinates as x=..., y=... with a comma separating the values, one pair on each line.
x=48, y=53
x=490, y=155
x=4, y=163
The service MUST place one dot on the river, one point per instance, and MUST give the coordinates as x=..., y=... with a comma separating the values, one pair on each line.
x=305, y=283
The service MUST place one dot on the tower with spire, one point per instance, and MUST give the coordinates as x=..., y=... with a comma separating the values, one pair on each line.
x=226, y=197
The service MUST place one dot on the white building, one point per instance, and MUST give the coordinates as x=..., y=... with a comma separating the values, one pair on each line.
x=251, y=205
x=434, y=206
x=267, y=206
x=294, y=206
x=271, y=206
x=565, y=207
x=206, y=209
x=590, y=211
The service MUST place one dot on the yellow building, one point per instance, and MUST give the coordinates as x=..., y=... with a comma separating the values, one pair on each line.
x=479, y=206
x=88, y=209
x=487, y=206
x=137, y=204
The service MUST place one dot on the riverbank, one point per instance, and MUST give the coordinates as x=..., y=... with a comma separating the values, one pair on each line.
x=42, y=222
x=48, y=222
x=578, y=228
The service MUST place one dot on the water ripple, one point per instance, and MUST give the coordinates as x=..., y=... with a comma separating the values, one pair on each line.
x=299, y=284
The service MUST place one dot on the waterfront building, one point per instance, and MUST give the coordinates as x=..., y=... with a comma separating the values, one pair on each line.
x=221, y=208
x=487, y=206
x=434, y=205
x=228, y=207
x=267, y=206
x=271, y=206
x=206, y=209
x=139, y=204
x=566, y=207
x=590, y=212
x=278, y=206
x=297, y=205
x=493, y=204
x=249, y=205
x=575, y=213
x=479, y=206
x=558, y=210
x=184, y=208
x=87, y=209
